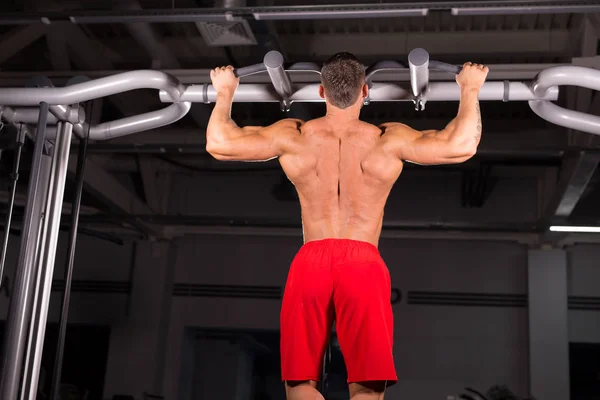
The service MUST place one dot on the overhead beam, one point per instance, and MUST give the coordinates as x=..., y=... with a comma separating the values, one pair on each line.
x=57, y=46
x=19, y=38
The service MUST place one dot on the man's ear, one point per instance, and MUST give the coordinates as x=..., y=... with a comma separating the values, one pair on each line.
x=365, y=91
x=321, y=91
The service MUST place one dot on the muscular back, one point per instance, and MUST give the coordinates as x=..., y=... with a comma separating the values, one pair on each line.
x=343, y=178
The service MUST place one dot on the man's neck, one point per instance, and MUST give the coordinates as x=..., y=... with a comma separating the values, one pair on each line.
x=349, y=114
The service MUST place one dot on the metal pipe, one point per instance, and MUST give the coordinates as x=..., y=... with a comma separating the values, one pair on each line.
x=55, y=199
x=568, y=75
x=20, y=302
x=339, y=14
x=102, y=87
x=74, y=115
x=30, y=115
x=438, y=91
x=42, y=248
x=20, y=141
x=418, y=63
x=123, y=126
x=568, y=118
x=273, y=61
x=140, y=123
x=66, y=300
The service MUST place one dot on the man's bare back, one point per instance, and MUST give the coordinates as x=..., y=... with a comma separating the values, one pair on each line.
x=343, y=178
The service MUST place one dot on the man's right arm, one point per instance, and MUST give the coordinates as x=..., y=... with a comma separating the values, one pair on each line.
x=457, y=142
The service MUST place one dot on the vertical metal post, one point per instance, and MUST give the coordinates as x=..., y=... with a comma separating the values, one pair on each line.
x=20, y=302
x=273, y=61
x=13, y=190
x=42, y=248
x=418, y=63
x=55, y=201
x=66, y=300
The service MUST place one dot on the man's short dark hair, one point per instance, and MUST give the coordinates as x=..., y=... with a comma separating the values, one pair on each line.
x=342, y=76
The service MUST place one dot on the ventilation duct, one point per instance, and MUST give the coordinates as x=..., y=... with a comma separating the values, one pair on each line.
x=233, y=32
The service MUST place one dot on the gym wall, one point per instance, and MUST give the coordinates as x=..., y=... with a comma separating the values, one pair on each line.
x=439, y=348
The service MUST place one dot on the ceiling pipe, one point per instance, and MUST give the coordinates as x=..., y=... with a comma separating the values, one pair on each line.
x=312, y=12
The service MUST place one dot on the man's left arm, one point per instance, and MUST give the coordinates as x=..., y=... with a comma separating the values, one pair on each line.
x=225, y=140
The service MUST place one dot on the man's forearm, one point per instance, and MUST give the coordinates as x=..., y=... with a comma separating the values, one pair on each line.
x=467, y=127
x=221, y=127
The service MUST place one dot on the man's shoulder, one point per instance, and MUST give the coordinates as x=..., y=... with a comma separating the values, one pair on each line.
x=287, y=125
x=393, y=127
x=291, y=123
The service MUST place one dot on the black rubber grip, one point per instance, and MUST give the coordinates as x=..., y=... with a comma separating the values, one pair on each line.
x=249, y=70
x=445, y=67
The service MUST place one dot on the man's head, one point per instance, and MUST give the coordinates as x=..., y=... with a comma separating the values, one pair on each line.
x=343, y=80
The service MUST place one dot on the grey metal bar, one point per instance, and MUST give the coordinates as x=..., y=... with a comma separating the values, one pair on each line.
x=13, y=190
x=444, y=67
x=566, y=75
x=438, y=91
x=340, y=14
x=139, y=123
x=309, y=67
x=54, y=210
x=273, y=61
x=30, y=115
x=112, y=129
x=568, y=118
x=249, y=70
x=381, y=67
x=102, y=87
x=74, y=115
x=528, y=9
x=38, y=270
x=66, y=299
x=418, y=63
x=20, y=302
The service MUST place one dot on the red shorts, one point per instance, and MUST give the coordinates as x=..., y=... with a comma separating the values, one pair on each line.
x=348, y=279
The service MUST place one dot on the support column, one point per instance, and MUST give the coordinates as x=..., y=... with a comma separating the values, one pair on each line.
x=548, y=325
x=138, y=343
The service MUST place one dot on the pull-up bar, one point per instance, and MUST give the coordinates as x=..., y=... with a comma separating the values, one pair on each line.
x=63, y=102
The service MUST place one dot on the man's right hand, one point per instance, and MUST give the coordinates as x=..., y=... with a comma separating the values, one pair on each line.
x=224, y=80
x=472, y=76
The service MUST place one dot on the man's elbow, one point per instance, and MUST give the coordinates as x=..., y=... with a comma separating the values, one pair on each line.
x=470, y=151
x=463, y=150
x=215, y=150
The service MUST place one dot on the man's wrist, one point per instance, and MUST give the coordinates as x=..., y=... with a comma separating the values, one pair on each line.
x=470, y=90
x=226, y=94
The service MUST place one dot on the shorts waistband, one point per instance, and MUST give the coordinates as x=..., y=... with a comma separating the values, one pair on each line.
x=339, y=242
